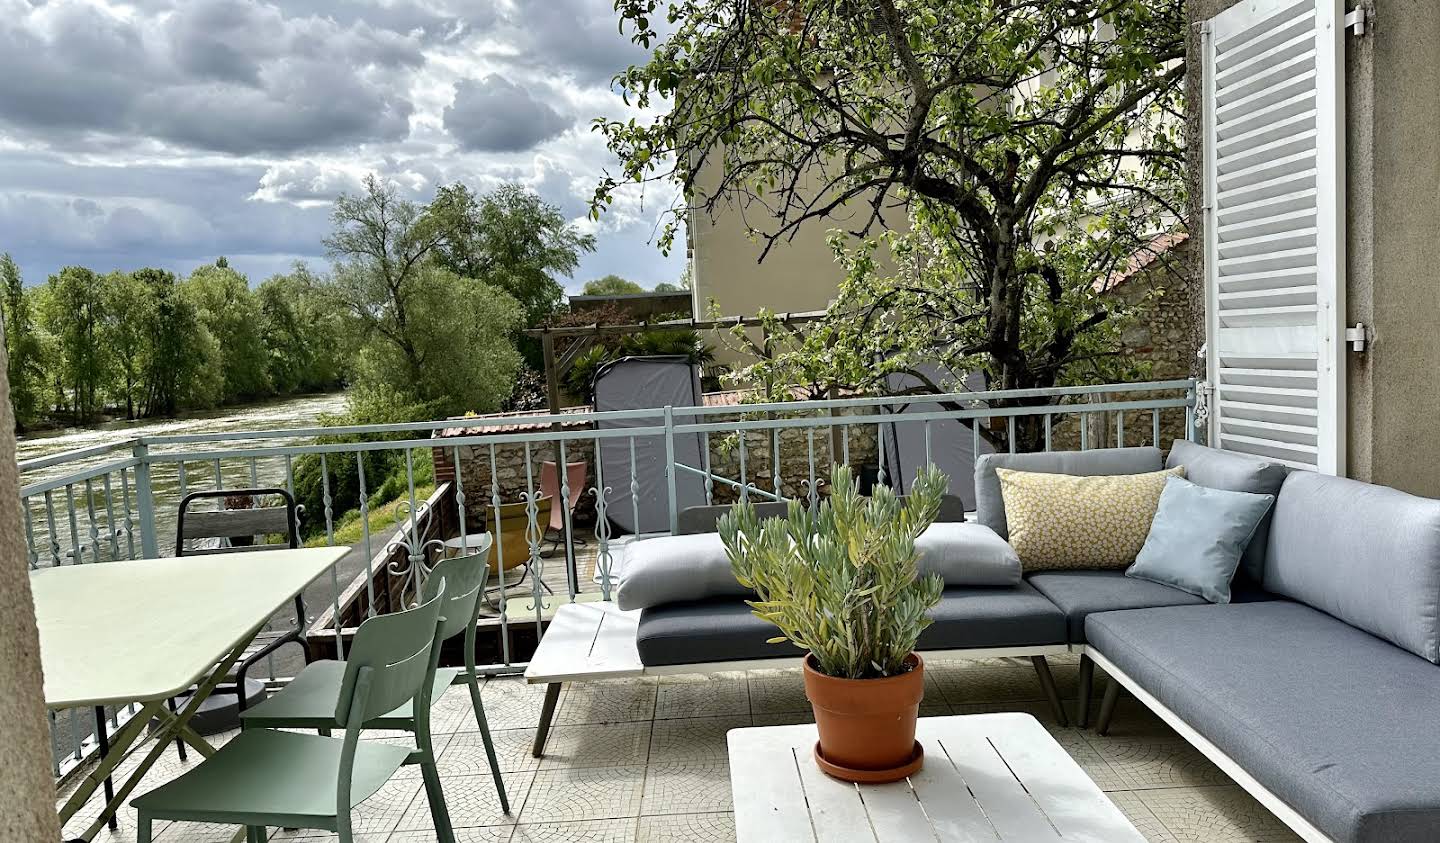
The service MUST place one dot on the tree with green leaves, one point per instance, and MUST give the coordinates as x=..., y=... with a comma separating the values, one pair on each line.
x=441, y=342
x=230, y=312
x=1033, y=147
x=73, y=311
x=512, y=239
x=612, y=285
x=182, y=365
x=22, y=346
x=300, y=331
x=126, y=335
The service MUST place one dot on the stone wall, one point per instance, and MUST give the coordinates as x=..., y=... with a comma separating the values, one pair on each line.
x=795, y=449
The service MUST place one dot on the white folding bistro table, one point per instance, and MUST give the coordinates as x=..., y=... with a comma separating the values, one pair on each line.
x=987, y=777
x=148, y=630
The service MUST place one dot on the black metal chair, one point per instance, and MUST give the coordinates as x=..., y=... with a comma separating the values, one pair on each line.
x=233, y=530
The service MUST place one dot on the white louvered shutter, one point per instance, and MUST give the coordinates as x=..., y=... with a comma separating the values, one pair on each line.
x=1275, y=230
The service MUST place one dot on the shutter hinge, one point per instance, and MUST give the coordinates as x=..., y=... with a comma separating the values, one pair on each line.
x=1356, y=337
x=1355, y=20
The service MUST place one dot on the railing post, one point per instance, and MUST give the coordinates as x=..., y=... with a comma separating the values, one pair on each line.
x=670, y=467
x=145, y=501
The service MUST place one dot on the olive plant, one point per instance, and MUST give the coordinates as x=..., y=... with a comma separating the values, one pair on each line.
x=841, y=580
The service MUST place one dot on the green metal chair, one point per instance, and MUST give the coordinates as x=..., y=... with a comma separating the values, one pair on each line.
x=265, y=778
x=308, y=702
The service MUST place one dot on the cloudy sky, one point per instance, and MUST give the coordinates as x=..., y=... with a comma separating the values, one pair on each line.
x=167, y=132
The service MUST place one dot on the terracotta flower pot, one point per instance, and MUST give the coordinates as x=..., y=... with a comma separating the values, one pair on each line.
x=867, y=726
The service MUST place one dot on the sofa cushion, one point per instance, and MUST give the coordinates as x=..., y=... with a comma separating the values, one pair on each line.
x=966, y=618
x=1336, y=722
x=668, y=569
x=1079, y=593
x=1198, y=537
x=1369, y=555
x=1232, y=472
x=967, y=554
x=1060, y=521
x=990, y=506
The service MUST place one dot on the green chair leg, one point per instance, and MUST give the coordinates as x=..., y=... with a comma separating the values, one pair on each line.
x=479, y=706
x=439, y=813
x=142, y=829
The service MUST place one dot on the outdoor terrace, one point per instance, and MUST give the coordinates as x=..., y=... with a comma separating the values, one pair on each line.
x=645, y=760
x=631, y=759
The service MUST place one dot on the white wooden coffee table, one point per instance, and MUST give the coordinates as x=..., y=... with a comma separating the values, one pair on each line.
x=994, y=777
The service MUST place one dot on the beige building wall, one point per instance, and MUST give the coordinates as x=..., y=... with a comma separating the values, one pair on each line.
x=1392, y=208
x=798, y=275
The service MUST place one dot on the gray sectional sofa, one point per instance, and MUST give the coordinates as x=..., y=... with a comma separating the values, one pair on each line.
x=1317, y=688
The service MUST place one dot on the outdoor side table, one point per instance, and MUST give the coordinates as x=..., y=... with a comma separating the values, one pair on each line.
x=987, y=777
x=147, y=630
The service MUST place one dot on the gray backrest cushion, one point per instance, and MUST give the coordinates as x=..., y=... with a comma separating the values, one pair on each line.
x=967, y=554
x=672, y=569
x=1368, y=555
x=990, y=504
x=1232, y=472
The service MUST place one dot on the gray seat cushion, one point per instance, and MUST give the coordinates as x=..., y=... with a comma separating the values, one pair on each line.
x=967, y=618
x=990, y=504
x=1231, y=472
x=1081, y=593
x=1367, y=554
x=1336, y=722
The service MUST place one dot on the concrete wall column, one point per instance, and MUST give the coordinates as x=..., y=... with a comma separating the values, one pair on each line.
x=27, y=811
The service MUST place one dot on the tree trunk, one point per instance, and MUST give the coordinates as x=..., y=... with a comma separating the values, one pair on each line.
x=24, y=732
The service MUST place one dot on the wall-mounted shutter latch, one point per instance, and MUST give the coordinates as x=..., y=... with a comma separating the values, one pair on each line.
x=1356, y=337
x=1355, y=21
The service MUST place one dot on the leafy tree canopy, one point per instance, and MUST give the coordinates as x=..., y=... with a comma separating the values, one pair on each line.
x=1032, y=147
x=611, y=285
x=512, y=239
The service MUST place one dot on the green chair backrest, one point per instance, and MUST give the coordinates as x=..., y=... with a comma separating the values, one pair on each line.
x=396, y=648
x=463, y=578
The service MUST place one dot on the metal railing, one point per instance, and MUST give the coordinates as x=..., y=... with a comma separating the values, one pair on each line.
x=110, y=503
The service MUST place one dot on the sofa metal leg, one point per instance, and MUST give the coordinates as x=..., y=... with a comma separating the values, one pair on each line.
x=1087, y=681
x=1107, y=707
x=547, y=713
x=1047, y=684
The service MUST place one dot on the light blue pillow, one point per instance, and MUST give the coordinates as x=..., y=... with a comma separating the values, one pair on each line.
x=1198, y=537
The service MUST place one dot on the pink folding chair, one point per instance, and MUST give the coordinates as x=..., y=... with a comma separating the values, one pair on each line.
x=575, y=475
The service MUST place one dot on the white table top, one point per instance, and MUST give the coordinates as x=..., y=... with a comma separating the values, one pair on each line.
x=148, y=629
x=473, y=542
x=991, y=777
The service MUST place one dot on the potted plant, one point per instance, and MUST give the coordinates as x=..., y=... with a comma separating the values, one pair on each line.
x=841, y=582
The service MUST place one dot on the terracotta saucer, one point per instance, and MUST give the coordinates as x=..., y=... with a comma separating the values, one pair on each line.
x=911, y=766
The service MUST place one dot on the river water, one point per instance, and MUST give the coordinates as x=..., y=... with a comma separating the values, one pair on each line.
x=65, y=521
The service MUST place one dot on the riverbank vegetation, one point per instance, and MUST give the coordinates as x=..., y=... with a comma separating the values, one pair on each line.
x=419, y=316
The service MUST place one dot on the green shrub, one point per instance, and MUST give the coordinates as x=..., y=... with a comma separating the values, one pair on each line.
x=842, y=581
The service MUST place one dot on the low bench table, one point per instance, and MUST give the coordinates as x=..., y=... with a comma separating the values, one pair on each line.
x=987, y=777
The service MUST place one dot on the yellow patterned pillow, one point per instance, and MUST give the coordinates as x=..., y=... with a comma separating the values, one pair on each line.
x=1064, y=521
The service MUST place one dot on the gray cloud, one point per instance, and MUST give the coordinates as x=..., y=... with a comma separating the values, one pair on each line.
x=178, y=130
x=496, y=115
x=233, y=76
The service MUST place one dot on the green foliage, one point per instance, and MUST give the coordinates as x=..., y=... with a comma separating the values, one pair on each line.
x=301, y=333
x=231, y=313
x=22, y=346
x=512, y=239
x=611, y=285
x=71, y=309
x=842, y=581
x=1033, y=148
x=180, y=364
x=440, y=343
x=580, y=380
